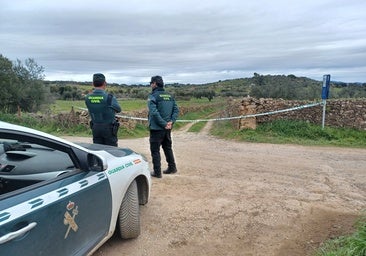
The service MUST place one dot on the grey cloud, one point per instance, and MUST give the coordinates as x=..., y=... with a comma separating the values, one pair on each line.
x=189, y=42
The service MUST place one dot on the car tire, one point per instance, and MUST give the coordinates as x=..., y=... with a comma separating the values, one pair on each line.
x=129, y=214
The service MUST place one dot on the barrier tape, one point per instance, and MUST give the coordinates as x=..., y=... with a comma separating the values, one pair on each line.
x=226, y=118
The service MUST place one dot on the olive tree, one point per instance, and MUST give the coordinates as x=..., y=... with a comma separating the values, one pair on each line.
x=21, y=86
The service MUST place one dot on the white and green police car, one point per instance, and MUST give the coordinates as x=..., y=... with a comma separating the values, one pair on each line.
x=62, y=198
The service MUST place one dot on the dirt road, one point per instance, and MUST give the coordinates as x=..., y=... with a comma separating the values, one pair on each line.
x=231, y=198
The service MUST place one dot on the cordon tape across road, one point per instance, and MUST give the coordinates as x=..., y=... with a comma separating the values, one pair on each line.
x=226, y=118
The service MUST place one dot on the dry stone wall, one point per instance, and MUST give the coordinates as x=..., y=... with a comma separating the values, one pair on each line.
x=349, y=113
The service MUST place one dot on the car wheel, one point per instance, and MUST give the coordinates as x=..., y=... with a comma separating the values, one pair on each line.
x=129, y=214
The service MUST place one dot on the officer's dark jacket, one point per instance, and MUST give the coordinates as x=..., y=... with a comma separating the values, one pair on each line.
x=100, y=109
x=162, y=109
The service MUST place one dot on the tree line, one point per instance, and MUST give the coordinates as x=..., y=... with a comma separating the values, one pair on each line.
x=287, y=87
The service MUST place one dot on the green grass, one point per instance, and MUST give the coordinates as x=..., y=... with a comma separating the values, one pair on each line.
x=205, y=113
x=352, y=245
x=66, y=105
x=126, y=104
x=132, y=105
x=139, y=132
x=293, y=132
x=197, y=127
x=46, y=125
x=200, y=102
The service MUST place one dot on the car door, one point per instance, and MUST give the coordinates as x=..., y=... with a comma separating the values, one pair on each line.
x=66, y=215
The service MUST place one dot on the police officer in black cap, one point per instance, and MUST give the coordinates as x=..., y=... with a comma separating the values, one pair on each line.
x=163, y=112
x=102, y=110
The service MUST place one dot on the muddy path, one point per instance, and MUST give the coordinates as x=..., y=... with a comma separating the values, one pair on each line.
x=236, y=198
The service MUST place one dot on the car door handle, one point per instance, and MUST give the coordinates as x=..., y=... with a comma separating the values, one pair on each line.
x=10, y=236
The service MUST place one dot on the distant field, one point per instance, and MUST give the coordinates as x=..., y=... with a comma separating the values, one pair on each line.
x=126, y=104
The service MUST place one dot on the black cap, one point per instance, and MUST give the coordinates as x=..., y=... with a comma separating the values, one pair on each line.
x=98, y=79
x=158, y=80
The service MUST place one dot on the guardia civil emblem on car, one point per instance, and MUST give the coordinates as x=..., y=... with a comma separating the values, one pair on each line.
x=69, y=219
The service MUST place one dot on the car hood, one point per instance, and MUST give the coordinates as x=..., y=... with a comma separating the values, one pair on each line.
x=115, y=151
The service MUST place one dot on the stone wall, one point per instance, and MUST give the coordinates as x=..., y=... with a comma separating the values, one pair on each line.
x=349, y=113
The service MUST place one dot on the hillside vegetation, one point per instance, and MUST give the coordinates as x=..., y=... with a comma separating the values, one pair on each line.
x=259, y=86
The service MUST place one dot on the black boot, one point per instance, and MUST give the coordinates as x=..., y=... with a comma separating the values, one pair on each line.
x=156, y=175
x=170, y=171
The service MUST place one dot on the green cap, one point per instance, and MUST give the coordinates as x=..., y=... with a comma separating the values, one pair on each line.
x=98, y=78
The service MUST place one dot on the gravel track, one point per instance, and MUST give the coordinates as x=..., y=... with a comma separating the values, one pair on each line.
x=237, y=198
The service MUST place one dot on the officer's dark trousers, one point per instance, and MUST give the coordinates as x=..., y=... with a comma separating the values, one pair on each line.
x=103, y=134
x=163, y=139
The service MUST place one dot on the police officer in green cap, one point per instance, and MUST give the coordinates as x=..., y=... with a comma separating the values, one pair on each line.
x=163, y=112
x=102, y=109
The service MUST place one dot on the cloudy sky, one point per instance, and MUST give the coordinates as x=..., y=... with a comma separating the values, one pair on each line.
x=187, y=41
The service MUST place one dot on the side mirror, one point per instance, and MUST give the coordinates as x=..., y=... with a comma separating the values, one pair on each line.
x=96, y=163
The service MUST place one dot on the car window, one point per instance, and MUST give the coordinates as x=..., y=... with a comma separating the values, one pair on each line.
x=24, y=163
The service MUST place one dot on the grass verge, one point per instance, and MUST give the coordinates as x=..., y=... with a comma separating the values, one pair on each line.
x=293, y=132
x=353, y=245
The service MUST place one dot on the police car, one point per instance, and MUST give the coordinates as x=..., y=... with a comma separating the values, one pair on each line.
x=62, y=198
